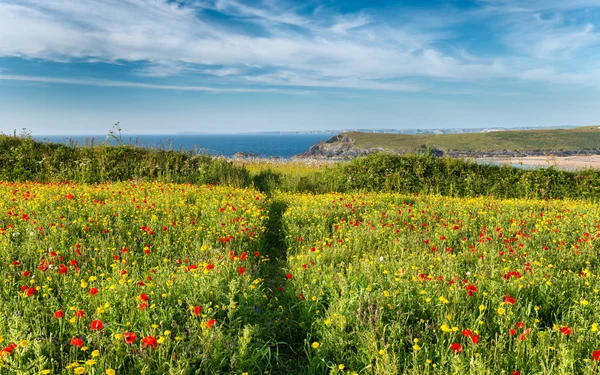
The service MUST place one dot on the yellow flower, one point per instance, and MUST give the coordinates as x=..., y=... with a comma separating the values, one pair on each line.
x=44, y=372
x=90, y=362
x=110, y=372
x=315, y=345
x=341, y=367
x=95, y=353
x=594, y=327
x=381, y=352
x=118, y=336
x=481, y=307
x=416, y=347
x=585, y=302
x=80, y=370
x=501, y=311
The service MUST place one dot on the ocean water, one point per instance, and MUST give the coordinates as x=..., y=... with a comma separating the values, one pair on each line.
x=265, y=145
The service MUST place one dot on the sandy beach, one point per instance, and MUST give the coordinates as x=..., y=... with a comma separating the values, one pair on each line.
x=568, y=162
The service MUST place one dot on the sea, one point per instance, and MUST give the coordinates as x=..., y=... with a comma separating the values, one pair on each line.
x=264, y=145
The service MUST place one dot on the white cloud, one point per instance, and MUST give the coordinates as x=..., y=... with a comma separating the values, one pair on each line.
x=139, y=85
x=334, y=50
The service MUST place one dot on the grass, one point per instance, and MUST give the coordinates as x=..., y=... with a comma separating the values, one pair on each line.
x=223, y=280
x=581, y=138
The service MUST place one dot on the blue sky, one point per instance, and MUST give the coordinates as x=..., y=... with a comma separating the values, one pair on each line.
x=165, y=66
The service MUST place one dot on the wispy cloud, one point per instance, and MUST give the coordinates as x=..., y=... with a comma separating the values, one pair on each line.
x=294, y=47
x=139, y=85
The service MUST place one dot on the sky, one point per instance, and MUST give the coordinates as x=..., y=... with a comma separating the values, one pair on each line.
x=226, y=66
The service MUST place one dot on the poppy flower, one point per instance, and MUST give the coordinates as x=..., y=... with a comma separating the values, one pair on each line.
x=516, y=372
x=144, y=297
x=471, y=289
x=596, y=355
x=76, y=341
x=467, y=333
x=31, y=291
x=512, y=331
x=59, y=314
x=210, y=323
x=149, y=341
x=96, y=325
x=143, y=306
x=10, y=348
x=129, y=337
x=456, y=347
x=197, y=310
x=566, y=331
x=475, y=339
x=520, y=325
x=510, y=300
x=241, y=270
x=80, y=314
x=289, y=276
x=93, y=291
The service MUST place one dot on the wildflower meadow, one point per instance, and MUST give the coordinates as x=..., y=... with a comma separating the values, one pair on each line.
x=165, y=278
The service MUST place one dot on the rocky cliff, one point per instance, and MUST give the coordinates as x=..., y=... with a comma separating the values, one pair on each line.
x=342, y=147
x=339, y=147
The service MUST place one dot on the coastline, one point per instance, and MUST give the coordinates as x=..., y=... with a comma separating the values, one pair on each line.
x=575, y=162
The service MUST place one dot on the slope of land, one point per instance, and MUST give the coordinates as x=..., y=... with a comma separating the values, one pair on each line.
x=560, y=142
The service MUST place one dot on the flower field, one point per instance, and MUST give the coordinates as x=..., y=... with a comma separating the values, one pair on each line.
x=163, y=278
x=126, y=278
x=435, y=285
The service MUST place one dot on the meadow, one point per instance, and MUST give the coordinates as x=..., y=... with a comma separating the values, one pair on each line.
x=258, y=270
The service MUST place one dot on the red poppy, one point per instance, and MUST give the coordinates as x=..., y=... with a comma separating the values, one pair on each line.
x=596, y=355
x=76, y=341
x=516, y=373
x=510, y=300
x=80, y=314
x=59, y=314
x=475, y=339
x=149, y=341
x=93, y=291
x=210, y=323
x=197, y=310
x=241, y=270
x=10, y=348
x=26, y=273
x=512, y=331
x=520, y=325
x=129, y=337
x=96, y=325
x=566, y=331
x=144, y=297
x=289, y=276
x=471, y=289
x=31, y=291
x=456, y=347
x=467, y=333
x=62, y=269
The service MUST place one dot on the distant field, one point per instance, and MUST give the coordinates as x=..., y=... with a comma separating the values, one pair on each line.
x=523, y=140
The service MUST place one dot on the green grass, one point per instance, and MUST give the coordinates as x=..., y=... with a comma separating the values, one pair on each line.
x=523, y=140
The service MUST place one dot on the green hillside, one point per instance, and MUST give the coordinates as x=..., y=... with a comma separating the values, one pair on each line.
x=581, y=138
